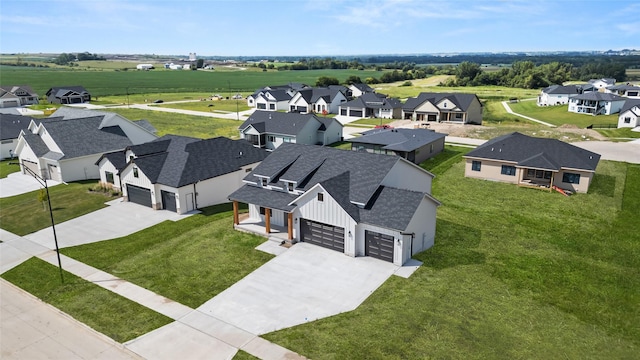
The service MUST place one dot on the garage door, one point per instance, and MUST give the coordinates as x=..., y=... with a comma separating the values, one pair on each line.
x=379, y=246
x=31, y=166
x=139, y=195
x=325, y=235
x=355, y=113
x=168, y=200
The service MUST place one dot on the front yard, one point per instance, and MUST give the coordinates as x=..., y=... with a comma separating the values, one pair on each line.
x=8, y=166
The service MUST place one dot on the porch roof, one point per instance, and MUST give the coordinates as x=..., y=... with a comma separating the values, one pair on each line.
x=540, y=161
x=266, y=198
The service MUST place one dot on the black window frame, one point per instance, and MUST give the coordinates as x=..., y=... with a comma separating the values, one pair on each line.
x=508, y=170
x=476, y=165
x=571, y=178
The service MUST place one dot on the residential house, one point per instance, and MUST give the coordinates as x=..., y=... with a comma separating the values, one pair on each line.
x=272, y=100
x=625, y=90
x=267, y=129
x=66, y=148
x=68, y=95
x=290, y=89
x=372, y=105
x=415, y=145
x=629, y=114
x=602, y=84
x=179, y=173
x=10, y=127
x=318, y=100
x=357, y=203
x=559, y=94
x=532, y=162
x=14, y=96
x=444, y=107
x=360, y=89
x=596, y=103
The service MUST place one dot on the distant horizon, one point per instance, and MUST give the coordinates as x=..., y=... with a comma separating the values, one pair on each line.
x=253, y=28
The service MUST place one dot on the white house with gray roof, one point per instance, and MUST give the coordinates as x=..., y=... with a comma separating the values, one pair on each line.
x=357, y=203
x=596, y=103
x=318, y=100
x=444, y=107
x=272, y=100
x=415, y=145
x=10, y=127
x=179, y=173
x=625, y=90
x=372, y=105
x=17, y=95
x=559, y=94
x=267, y=129
x=629, y=114
x=65, y=148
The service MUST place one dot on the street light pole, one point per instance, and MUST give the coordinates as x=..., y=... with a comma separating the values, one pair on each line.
x=43, y=182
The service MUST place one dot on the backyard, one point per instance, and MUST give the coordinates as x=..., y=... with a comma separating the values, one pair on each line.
x=558, y=115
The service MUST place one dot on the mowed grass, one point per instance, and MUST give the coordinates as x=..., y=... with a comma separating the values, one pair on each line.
x=117, y=317
x=558, y=115
x=23, y=214
x=9, y=166
x=189, y=261
x=186, y=125
x=514, y=273
x=210, y=105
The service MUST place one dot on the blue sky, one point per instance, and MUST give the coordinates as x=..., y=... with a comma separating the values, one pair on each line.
x=317, y=27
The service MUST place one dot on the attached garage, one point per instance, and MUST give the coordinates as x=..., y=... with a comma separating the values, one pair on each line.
x=325, y=235
x=168, y=201
x=139, y=195
x=31, y=166
x=379, y=246
x=357, y=113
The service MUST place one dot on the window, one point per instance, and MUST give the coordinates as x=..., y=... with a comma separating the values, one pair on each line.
x=571, y=178
x=632, y=93
x=263, y=181
x=271, y=138
x=627, y=120
x=508, y=170
x=262, y=106
x=109, y=176
x=476, y=165
x=131, y=157
x=264, y=212
x=286, y=139
x=320, y=197
x=458, y=115
x=248, y=170
x=431, y=148
x=290, y=186
x=135, y=172
x=272, y=106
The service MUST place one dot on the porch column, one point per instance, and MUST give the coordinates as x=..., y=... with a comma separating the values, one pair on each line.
x=235, y=213
x=290, y=226
x=551, y=184
x=267, y=220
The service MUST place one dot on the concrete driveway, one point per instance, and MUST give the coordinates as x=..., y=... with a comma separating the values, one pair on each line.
x=18, y=183
x=616, y=151
x=119, y=219
x=303, y=284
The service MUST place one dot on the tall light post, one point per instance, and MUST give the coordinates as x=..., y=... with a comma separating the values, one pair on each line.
x=43, y=182
x=237, y=109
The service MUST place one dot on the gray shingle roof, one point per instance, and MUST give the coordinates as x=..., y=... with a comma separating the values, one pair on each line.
x=392, y=208
x=11, y=125
x=373, y=101
x=36, y=144
x=363, y=87
x=527, y=151
x=398, y=139
x=630, y=104
x=598, y=96
x=559, y=89
x=463, y=101
x=283, y=123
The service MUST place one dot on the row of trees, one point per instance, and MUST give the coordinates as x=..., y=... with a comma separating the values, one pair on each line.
x=70, y=58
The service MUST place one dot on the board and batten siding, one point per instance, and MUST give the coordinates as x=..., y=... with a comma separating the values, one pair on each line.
x=106, y=165
x=405, y=175
x=399, y=253
x=141, y=181
x=7, y=148
x=80, y=168
x=423, y=228
x=217, y=190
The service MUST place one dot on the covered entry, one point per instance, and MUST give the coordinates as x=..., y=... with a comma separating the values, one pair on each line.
x=325, y=235
x=379, y=246
x=139, y=195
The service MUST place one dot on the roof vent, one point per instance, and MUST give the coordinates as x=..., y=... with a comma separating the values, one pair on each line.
x=240, y=153
x=491, y=149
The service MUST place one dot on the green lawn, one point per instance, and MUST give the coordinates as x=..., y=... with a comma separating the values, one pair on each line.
x=24, y=214
x=209, y=105
x=372, y=122
x=186, y=125
x=8, y=166
x=558, y=115
x=622, y=133
x=514, y=273
x=117, y=317
x=189, y=261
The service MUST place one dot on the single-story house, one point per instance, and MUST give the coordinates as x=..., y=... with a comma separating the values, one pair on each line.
x=66, y=148
x=630, y=114
x=318, y=100
x=14, y=96
x=559, y=94
x=415, y=145
x=532, y=162
x=360, y=89
x=179, y=173
x=268, y=129
x=625, y=90
x=272, y=100
x=290, y=89
x=444, y=107
x=596, y=103
x=357, y=203
x=372, y=105
x=10, y=127
x=68, y=95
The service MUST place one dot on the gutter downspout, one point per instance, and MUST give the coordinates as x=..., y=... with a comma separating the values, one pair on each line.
x=195, y=197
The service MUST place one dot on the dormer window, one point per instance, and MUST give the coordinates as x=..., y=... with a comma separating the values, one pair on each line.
x=135, y=172
x=263, y=181
x=290, y=186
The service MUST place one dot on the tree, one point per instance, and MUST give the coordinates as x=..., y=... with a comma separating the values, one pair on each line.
x=467, y=72
x=324, y=81
x=353, y=80
x=42, y=198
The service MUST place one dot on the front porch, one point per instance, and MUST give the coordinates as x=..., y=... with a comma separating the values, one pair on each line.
x=244, y=222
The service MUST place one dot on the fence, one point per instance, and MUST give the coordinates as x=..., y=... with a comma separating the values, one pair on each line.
x=602, y=126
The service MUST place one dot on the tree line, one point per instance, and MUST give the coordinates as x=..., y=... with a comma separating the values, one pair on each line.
x=70, y=58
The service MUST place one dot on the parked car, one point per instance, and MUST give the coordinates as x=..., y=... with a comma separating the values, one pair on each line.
x=158, y=101
x=237, y=96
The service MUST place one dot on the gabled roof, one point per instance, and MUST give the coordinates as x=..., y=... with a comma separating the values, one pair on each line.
x=598, y=96
x=278, y=95
x=630, y=104
x=462, y=101
x=609, y=81
x=398, y=139
x=312, y=95
x=283, y=123
x=145, y=124
x=177, y=161
x=623, y=87
x=11, y=125
x=373, y=101
x=363, y=87
x=62, y=89
x=12, y=89
x=533, y=152
x=559, y=89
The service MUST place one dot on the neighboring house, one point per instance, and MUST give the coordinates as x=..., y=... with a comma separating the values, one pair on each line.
x=532, y=162
x=625, y=90
x=415, y=145
x=596, y=103
x=630, y=114
x=267, y=129
x=144, y=66
x=67, y=148
x=290, y=89
x=444, y=107
x=559, y=95
x=360, y=89
x=319, y=100
x=602, y=84
x=372, y=105
x=68, y=95
x=179, y=173
x=357, y=203
x=10, y=128
x=272, y=100
x=14, y=96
